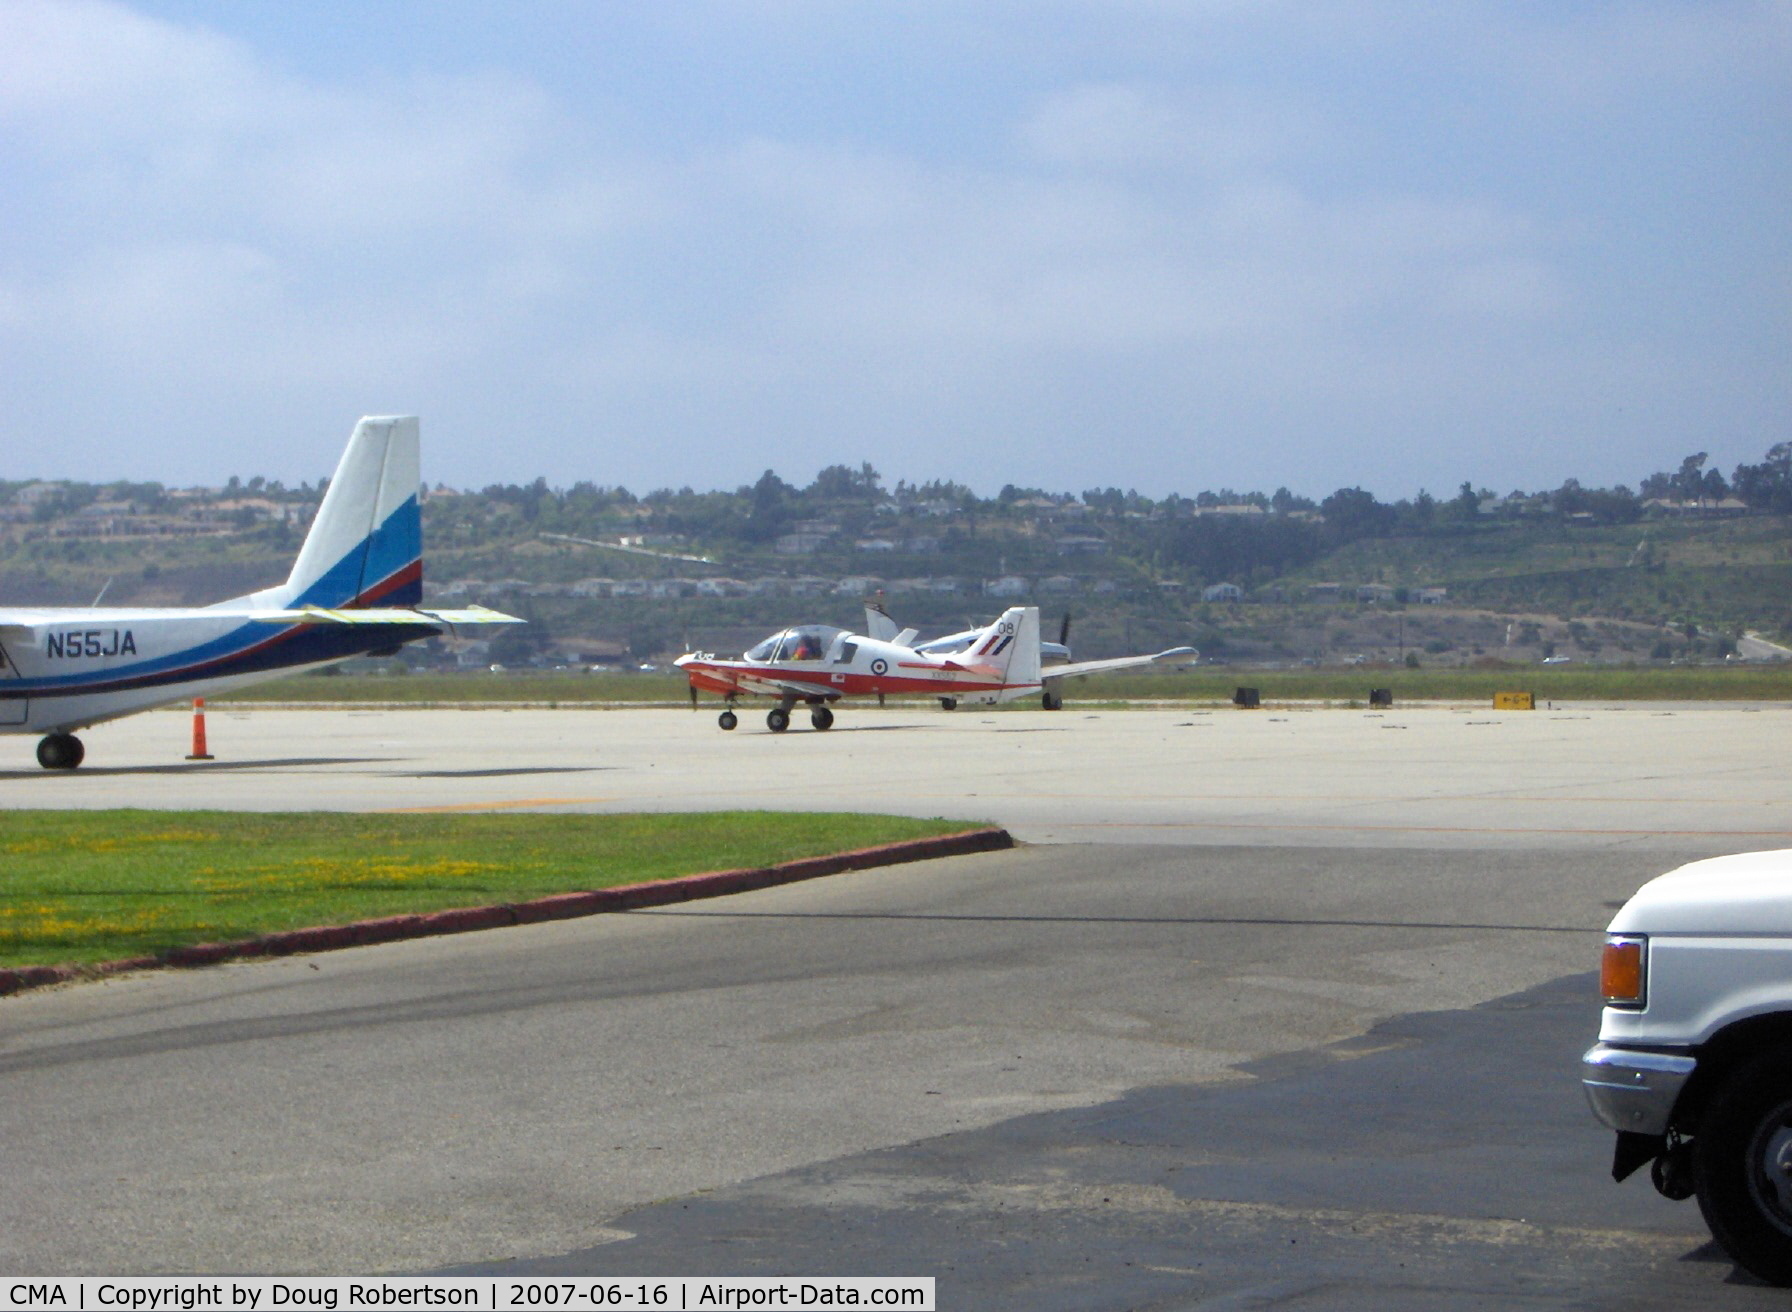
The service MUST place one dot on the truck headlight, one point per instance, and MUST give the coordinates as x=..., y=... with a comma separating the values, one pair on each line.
x=1624, y=970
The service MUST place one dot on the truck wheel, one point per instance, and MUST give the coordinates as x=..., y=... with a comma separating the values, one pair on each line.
x=1742, y=1166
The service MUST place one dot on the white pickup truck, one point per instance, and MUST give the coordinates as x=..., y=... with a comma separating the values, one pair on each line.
x=1693, y=1067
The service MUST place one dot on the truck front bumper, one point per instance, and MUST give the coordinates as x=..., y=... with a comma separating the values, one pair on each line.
x=1633, y=1091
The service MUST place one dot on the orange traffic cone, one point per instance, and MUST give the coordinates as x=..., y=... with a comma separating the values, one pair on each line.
x=199, y=753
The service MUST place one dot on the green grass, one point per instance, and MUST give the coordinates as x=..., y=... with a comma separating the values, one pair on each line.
x=84, y=887
x=1735, y=682
x=1745, y=683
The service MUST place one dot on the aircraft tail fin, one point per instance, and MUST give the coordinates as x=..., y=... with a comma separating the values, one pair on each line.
x=878, y=623
x=365, y=547
x=1011, y=644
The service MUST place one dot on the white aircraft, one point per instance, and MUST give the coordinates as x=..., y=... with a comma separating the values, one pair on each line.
x=817, y=665
x=1054, y=657
x=356, y=589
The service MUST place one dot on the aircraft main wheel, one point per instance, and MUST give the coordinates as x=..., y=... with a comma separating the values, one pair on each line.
x=728, y=719
x=822, y=718
x=60, y=751
x=777, y=719
x=1051, y=701
x=949, y=703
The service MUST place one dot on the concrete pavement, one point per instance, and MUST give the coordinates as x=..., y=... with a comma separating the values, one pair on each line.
x=1637, y=776
x=1204, y=894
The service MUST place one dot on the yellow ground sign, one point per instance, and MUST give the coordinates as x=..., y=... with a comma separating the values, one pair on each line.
x=1514, y=701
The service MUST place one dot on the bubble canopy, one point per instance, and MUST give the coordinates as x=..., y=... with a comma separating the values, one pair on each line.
x=805, y=642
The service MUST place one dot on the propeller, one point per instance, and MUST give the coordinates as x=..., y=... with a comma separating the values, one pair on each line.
x=1064, y=631
x=693, y=691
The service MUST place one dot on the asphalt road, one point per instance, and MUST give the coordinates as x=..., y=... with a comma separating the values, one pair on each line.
x=1431, y=1164
x=947, y=1039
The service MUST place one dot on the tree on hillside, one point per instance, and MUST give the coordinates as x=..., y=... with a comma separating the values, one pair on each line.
x=1225, y=548
x=1417, y=515
x=955, y=494
x=1690, y=483
x=769, y=508
x=1352, y=513
x=840, y=483
x=1466, y=504
x=1284, y=502
x=1768, y=485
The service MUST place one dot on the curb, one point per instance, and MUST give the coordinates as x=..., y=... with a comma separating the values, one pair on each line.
x=558, y=906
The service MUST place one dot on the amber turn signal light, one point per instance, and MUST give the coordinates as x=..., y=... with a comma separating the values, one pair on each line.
x=1621, y=972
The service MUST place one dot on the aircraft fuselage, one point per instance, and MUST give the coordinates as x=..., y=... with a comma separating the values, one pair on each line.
x=65, y=668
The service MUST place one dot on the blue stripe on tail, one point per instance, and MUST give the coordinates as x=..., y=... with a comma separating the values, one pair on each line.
x=383, y=569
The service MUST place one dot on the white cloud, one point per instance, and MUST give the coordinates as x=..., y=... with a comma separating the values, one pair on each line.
x=1147, y=126
x=88, y=72
x=204, y=220
x=1135, y=256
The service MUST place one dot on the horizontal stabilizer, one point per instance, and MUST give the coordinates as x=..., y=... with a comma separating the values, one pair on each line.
x=1079, y=668
x=383, y=615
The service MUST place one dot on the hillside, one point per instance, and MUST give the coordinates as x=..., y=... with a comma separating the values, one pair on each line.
x=603, y=575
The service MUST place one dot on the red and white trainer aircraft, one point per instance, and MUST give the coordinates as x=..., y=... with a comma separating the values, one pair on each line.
x=817, y=664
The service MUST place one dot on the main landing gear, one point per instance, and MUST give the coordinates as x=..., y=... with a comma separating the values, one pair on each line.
x=778, y=718
x=821, y=716
x=60, y=751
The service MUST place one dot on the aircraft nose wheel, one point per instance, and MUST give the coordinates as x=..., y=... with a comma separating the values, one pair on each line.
x=822, y=718
x=728, y=719
x=60, y=751
x=777, y=719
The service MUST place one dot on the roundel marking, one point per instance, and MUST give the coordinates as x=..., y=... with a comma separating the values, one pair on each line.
x=880, y=666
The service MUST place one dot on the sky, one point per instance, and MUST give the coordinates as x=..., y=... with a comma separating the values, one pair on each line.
x=1161, y=246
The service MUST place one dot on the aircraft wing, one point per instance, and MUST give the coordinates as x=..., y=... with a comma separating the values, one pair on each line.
x=733, y=679
x=383, y=615
x=1080, y=668
x=770, y=686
